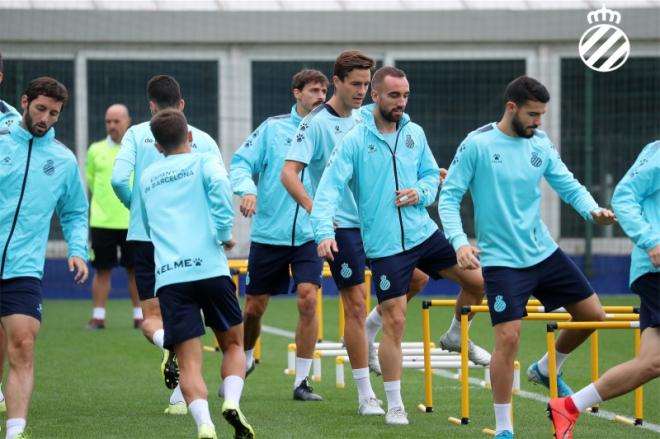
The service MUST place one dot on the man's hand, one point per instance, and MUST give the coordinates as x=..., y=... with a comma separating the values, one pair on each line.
x=406, y=197
x=80, y=267
x=466, y=257
x=326, y=249
x=248, y=205
x=443, y=175
x=229, y=244
x=654, y=254
x=603, y=217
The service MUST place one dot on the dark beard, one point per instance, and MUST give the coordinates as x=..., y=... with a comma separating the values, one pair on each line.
x=30, y=126
x=389, y=116
x=520, y=129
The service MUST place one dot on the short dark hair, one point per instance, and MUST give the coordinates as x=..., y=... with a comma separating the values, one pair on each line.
x=384, y=72
x=350, y=60
x=523, y=89
x=46, y=86
x=169, y=128
x=164, y=91
x=307, y=76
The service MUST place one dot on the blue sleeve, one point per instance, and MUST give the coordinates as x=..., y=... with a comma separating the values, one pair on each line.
x=568, y=187
x=72, y=209
x=338, y=171
x=458, y=180
x=211, y=147
x=123, y=169
x=638, y=183
x=428, y=174
x=219, y=194
x=303, y=147
x=248, y=161
x=143, y=188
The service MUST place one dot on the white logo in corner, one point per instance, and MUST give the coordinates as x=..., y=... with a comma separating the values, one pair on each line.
x=604, y=47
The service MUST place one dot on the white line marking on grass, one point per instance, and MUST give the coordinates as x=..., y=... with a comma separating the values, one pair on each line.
x=477, y=383
x=277, y=331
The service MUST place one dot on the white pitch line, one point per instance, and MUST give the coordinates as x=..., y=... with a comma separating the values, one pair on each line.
x=477, y=383
x=544, y=399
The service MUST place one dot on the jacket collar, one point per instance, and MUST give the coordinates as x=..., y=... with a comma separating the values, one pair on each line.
x=368, y=120
x=295, y=117
x=22, y=135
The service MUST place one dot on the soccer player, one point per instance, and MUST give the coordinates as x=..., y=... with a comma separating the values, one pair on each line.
x=502, y=164
x=137, y=152
x=38, y=175
x=388, y=166
x=181, y=193
x=108, y=219
x=8, y=116
x=281, y=234
x=636, y=202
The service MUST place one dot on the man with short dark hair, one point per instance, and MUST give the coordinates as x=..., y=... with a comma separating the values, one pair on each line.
x=282, y=238
x=38, y=175
x=310, y=149
x=137, y=152
x=108, y=219
x=389, y=152
x=180, y=193
x=502, y=164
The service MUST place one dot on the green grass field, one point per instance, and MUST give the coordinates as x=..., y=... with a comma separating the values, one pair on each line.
x=106, y=384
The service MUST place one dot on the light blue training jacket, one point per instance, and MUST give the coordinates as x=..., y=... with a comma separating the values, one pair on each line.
x=504, y=175
x=278, y=220
x=187, y=212
x=636, y=202
x=138, y=150
x=374, y=171
x=8, y=115
x=312, y=144
x=38, y=175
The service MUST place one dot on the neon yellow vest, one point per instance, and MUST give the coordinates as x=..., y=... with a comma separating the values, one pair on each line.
x=106, y=211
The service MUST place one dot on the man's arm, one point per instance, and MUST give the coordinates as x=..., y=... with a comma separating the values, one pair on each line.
x=219, y=193
x=638, y=183
x=573, y=192
x=460, y=175
x=90, y=168
x=246, y=163
x=72, y=209
x=294, y=185
x=331, y=187
x=123, y=168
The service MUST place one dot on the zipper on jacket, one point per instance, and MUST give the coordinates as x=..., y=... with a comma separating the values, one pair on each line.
x=18, y=208
x=295, y=216
x=396, y=182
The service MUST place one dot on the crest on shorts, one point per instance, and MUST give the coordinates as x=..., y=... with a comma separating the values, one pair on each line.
x=499, y=304
x=247, y=278
x=346, y=271
x=384, y=283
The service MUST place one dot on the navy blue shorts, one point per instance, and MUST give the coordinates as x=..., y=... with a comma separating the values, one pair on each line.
x=348, y=266
x=647, y=287
x=268, y=268
x=180, y=305
x=21, y=295
x=392, y=274
x=145, y=269
x=556, y=281
x=105, y=243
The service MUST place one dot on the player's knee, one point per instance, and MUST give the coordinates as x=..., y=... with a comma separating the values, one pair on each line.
x=418, y=282
x=307, y=305
x=21, y=349
x=355, y=310
x=507, y=340
x=254, y=309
